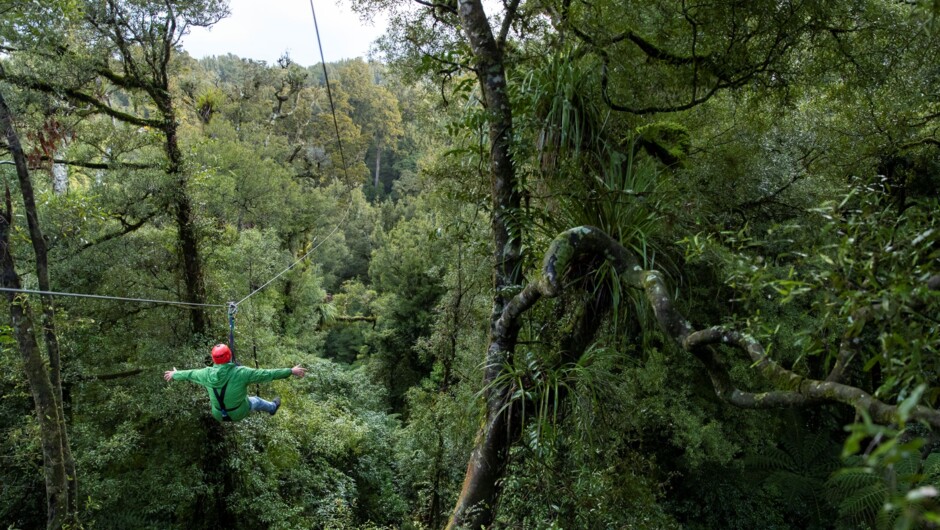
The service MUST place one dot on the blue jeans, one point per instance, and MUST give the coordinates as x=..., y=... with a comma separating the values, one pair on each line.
x=261, y=404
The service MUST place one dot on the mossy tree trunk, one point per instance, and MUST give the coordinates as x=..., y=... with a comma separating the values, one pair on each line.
x=488, y=460
x=45, y=385
x=586, y=244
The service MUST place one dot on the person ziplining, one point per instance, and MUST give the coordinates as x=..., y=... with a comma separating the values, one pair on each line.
x=227, y=381
x=227, y=384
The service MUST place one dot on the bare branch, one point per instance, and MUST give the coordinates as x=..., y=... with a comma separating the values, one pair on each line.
x=695, y=101
x=770, y=196
x=100, y=165
x=507, y=23
x=651, y=50
x=81, y=97
x=812, y=390
x=127, y=228
x=435, y=5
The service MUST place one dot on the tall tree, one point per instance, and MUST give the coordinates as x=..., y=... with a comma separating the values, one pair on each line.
x=690, y=53
x=144, y=36
x=45, y=385
x=130, y=48
x=374, y=109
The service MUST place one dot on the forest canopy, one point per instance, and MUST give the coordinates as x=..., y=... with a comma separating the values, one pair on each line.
x=549, y=264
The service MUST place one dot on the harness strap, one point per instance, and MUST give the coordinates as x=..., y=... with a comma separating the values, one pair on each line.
x=220, y=397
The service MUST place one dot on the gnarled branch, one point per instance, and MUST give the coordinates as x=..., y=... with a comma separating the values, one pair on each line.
x=586, y=245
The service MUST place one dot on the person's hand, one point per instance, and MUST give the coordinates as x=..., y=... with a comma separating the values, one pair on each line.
x=169, y=374
x=298, y=371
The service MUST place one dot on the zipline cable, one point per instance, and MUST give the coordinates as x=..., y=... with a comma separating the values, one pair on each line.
x=232, y=307
x=103, y=297
x=294, y=264
x=329, y=93
x=339, y=142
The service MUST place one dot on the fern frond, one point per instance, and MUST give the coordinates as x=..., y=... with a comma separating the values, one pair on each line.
x=816, y=452
x=795, y=488
x=864, y=504
x=771, y=459
x=848, y=480
x=907, y=466
x=886, y=517
x=931, y=469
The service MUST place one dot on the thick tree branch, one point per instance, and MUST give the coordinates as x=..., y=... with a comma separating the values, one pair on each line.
x=100, y=165
x=792, y=389
x=810, y=389
x=356, y=318
x=127, y=228
x=648, y=48
x=923, y=141
x=435, y=5
x=508, y=19
x=80, y=97
x=725, y=389
x=111, y=377
x=693, y=102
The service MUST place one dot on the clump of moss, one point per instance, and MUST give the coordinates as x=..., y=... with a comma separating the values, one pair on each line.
x=666, y=141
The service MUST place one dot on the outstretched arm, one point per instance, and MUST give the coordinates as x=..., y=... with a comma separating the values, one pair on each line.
x=263, y=376
x=197, y=376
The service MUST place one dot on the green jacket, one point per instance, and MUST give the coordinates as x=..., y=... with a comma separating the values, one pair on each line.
x=236, y=393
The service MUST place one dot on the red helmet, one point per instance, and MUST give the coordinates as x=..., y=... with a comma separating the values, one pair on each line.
x=221, y=354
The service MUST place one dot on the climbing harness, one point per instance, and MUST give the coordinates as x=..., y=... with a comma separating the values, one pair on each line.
x=220, y=397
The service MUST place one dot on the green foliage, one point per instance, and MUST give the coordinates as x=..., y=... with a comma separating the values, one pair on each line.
x=793, y=156
x=324, y=463
x=406, y=271
x=21, y=485
x=795, y=473
x=858, y=273
x=667, y=141
x=891, y=483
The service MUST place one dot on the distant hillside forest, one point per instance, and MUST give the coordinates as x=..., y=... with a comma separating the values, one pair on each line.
x=547, y=264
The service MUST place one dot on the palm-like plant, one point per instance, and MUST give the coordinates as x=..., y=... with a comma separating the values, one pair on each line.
x=577, y=171
x=886, y=495
x=797, y=470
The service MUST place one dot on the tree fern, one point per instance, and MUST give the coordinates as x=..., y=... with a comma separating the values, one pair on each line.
x=879, y=495
x=797, y=470
x=931, y=469
x=858, y=493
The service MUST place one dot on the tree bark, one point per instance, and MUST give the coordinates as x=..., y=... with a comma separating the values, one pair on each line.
x=26, y=339
x=378, y=165
x=56, y=479
x=488, y=460
x=60, y=174
x=789, y=389
x=183, y=212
